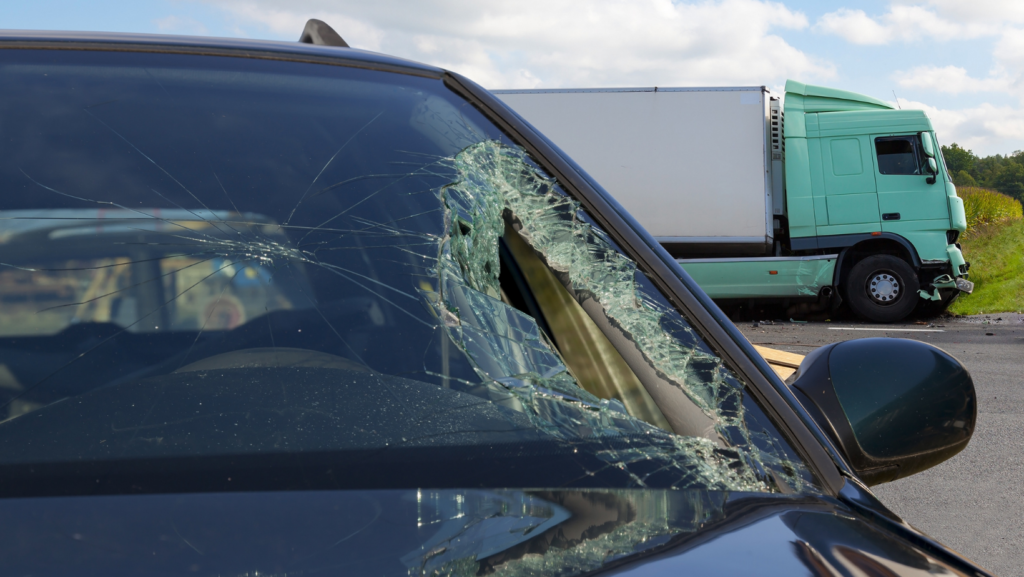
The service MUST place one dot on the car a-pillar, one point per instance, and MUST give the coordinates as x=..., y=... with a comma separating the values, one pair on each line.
x=879, y=281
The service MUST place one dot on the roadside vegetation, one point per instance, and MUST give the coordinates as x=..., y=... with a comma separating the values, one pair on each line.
x=994, y=245
x=987, y=207
x=1003, y=174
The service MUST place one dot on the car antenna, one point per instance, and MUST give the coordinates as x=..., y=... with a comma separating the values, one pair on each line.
x=318, y=32
x=893, y=90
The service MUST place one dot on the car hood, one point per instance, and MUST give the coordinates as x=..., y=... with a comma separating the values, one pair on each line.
x=449, y=532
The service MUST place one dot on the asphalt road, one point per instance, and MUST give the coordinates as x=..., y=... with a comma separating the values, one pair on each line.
x=974, y=502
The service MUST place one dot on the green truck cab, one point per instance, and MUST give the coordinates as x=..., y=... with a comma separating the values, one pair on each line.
x=869, y=181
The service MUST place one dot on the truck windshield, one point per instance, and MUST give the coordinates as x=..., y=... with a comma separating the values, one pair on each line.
x=237, y=274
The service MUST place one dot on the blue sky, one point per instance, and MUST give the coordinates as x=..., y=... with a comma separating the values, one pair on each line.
x=962, y=62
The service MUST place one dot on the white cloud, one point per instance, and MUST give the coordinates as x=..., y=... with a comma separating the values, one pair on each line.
x=560, y=43
x=952, y=80
x=553, y=43
x=902, y=23
x=986, y=129
x=1009, y=50
x=976, y=11
x=1006, y=76
x=854, y=26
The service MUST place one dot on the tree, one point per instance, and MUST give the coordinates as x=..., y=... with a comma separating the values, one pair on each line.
x=958, y=159
x=1009, y=179
x=962, y=178
x=998, y=172
x=986, y=169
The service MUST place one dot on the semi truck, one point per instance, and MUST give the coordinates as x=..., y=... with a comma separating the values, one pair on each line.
x=824, y=197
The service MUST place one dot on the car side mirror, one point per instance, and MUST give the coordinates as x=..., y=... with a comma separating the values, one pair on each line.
x=894, y=407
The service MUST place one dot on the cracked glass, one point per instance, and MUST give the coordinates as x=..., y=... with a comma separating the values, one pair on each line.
x=214, y=269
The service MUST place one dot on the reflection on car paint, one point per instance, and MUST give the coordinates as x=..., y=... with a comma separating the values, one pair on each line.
x=409, y=532
x=550, y=532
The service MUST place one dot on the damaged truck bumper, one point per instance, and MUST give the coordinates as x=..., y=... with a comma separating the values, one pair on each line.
x=956, y=260
x=946, y=282
x=956, y=281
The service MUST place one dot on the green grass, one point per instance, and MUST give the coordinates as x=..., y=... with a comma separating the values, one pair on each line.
x=986, y=207
x=994, y=245
x=996, y=254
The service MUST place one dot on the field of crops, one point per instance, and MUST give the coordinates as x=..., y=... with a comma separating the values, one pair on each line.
x=994, y=245
x=985, y=207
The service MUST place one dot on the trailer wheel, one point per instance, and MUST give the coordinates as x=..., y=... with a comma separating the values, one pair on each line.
x=882, y=288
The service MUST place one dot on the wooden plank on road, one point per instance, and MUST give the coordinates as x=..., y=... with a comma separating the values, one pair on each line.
x=784, y=364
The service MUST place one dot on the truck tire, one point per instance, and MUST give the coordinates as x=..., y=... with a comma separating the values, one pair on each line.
x=882, y=288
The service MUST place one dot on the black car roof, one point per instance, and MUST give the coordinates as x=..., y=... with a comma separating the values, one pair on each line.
x=57, y=40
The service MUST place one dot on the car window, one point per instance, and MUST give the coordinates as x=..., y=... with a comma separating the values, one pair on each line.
x=900, y=155
x=226, y=273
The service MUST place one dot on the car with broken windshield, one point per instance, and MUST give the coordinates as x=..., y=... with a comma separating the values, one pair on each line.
x=299, y=309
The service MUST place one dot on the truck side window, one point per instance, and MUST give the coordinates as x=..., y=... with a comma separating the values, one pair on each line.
x=899, y=155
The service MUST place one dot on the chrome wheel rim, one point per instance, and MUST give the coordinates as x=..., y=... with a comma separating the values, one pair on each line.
x=884, y=288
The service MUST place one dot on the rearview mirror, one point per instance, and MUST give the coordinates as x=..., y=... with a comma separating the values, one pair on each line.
x=894, y=407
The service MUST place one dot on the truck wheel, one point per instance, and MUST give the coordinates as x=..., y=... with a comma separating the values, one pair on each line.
x=882, y=288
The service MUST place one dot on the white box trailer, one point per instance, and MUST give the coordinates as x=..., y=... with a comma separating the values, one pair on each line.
x=693, y=165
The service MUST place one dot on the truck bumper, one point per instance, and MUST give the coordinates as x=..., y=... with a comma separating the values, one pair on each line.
x=955, y=280
x=945, y=282
x=956, y=260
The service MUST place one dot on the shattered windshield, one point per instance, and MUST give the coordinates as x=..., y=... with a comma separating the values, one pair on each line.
x=238, y=274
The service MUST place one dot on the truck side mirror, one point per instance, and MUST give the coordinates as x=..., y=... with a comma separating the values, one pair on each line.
x=926, y=143
x=894, y=407
x=933, y=168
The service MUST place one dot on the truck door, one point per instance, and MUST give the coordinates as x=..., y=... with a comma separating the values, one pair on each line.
x=903, y=191
x=849, y=181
